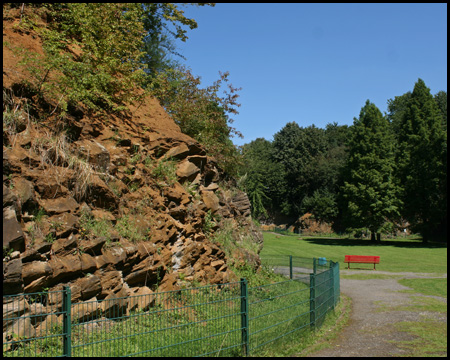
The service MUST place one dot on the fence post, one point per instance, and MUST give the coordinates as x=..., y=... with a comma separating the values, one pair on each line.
x=314, y=266
x=332, y=269
x=312, y=300
x=244, y=316
x=332, y=283
x=290, y=267
x=337, y=287
x=67, y=330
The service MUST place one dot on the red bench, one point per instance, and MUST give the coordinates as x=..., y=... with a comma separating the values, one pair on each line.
x=361, y=259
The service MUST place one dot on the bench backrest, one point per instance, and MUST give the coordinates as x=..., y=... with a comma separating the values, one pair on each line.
x=362, y=259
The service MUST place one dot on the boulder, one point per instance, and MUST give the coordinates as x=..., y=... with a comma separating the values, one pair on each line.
x=25, y=191
x=146, y=272
x=12, y=277
x=90, y=286
x=59, y=205
x=100, y=195
x=103, y=215
x=21, y=329
x=38, y=284
x=169, y=283
x=9, y=198
x=65, y=268
x=113, y=258
x=211, y=200
x=198, y=160
x=111, y=281
x=88, y=263
x=141, y=300
x=86, y=311
x=113, y=306
x=187, y=170
x=36, y=269
x=64, y=224
x=38, y=312
x=241, y=204
x=179, y=152
x=12, y=232
x=31, y=255
x=93, y=246
x=95, y=153
x=50, y=188
x=13, y=307
x=64, y=246
x=176, y=193
x=51, y=321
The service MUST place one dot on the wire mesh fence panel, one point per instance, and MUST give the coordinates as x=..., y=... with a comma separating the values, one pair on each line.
x=33, y=325
x=336, y=286
x=187, y=322
x=230, y=319
x=277, y=310
x=324, y=295
x=290, y=266
x=302, y=266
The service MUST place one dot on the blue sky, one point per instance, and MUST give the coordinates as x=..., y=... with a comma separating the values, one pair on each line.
x=315, y=63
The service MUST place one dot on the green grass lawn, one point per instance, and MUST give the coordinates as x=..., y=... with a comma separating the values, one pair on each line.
x=402, y=255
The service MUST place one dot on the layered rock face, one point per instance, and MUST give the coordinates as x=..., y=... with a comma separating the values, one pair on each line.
x=134, y=205
x=111, y=206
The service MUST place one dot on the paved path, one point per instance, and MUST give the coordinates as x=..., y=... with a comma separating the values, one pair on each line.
x=370, y=331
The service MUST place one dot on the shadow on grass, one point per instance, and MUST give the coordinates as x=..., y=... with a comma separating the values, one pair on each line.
x=367, y=242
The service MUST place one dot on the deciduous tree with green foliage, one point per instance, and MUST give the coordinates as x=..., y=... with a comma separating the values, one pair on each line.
x=264, y=178
x=201, y=112
x=297, y=149
x=369, y=188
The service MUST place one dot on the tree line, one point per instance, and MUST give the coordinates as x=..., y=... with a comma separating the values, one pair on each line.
x=383, y=172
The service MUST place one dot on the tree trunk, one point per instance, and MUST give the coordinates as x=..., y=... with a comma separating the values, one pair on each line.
x=372, y=236
x=378, y=237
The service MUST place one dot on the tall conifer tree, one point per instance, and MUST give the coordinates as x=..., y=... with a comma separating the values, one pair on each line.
x=369, y=189
x=422, y=159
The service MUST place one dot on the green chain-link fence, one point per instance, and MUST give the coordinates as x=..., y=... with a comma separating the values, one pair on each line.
x=229, y=319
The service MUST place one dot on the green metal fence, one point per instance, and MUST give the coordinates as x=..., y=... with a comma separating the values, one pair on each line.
x=230, y=319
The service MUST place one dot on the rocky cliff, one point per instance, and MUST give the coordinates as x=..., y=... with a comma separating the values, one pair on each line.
x=111, y=205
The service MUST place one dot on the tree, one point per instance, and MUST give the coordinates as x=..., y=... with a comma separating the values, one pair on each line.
x=441, y=102
x=369, y=187
x=322, y=204
x=422, y=160
x=297, y=148
x=95, y=53
x=264, y=177
x=201, y=112
x=164, y=23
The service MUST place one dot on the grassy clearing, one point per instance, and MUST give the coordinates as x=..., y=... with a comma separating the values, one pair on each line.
x=430, y=333
x=434, y=287
x=402, y=255
x=431, y=338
